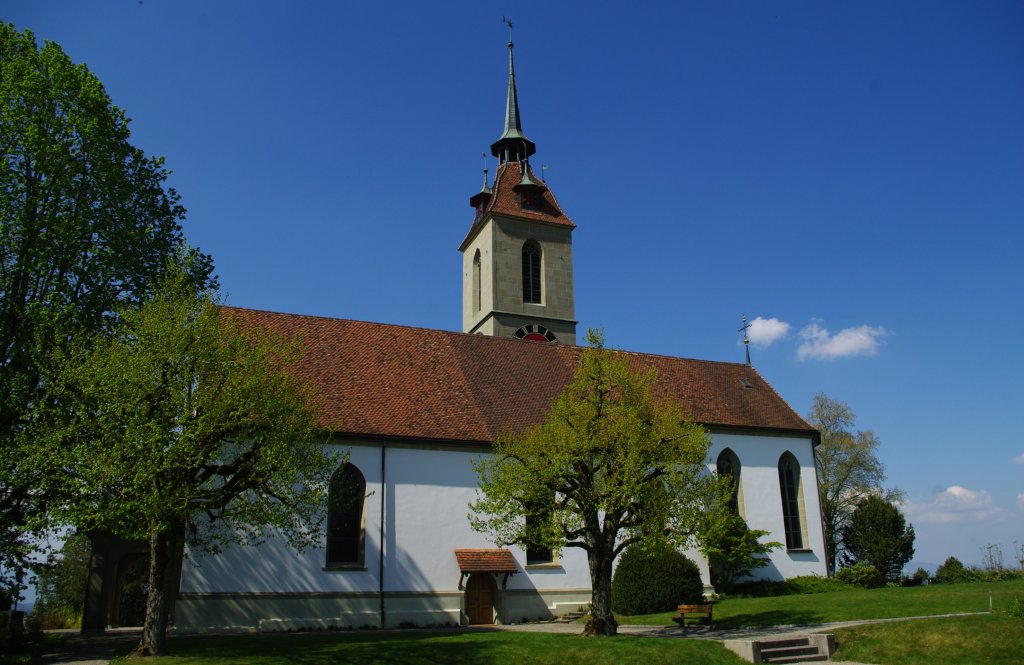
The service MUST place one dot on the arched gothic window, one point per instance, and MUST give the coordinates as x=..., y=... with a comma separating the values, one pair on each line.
x=729, y=465
x=345, y=536
x=531, y=272
x=476, y=281
x=792, y=517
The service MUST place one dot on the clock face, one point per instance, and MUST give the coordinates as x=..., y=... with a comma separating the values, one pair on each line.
x=535, y=333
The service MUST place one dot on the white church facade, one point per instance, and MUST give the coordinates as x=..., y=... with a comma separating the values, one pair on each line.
x=414, y=407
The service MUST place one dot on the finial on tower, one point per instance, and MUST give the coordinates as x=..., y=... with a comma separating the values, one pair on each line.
x=746, y=340
x=513, y=146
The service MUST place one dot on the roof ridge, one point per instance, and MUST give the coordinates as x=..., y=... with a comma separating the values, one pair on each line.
x=696, y=360
x=390, y=325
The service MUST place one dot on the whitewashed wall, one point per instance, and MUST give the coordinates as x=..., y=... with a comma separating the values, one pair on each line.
x=762, y=498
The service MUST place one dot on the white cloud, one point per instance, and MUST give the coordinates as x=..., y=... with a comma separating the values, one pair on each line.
x=1019, y=459
x=956, y=504
x=765, y=332
x=820, y=344
x=1020, y=501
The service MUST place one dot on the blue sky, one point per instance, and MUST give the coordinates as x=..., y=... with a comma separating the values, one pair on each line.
x=852, y=171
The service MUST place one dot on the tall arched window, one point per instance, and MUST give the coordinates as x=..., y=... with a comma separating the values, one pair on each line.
x=792, y=517
x=729, y=465
x=476, y=281
x=531, y=272
x=345, y=517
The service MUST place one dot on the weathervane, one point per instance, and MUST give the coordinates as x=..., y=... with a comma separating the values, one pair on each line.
x=746, y=340
x=508, y=22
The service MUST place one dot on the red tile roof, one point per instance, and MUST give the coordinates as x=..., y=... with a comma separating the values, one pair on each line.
x=486, y=561
x=505, y=201
x=375, y=379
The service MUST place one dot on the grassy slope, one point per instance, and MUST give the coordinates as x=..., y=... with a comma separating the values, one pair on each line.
x=850, y=605
x=994, y=638
x=415, y=648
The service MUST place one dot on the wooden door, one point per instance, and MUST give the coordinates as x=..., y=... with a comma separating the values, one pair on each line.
x=480, y=599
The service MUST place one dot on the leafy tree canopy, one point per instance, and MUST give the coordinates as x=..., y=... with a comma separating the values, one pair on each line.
x=188, y=423
x=848, y=468
x=608, y=468
x=87, y=225
x=877, y=534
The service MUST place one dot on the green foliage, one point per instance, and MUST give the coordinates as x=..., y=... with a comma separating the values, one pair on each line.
x=1016, y=608
x=60, y=583
x=654, y=577
x=919, y=577
x=953, y=572
x=86, y=225
x=187, y=421
x=848, y=469
x=877, y=534
x=609, y=467
x=804, y=584
x=861, y=574
x=733, y=550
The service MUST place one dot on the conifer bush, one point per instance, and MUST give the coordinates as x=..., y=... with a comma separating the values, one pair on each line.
x=655, y=578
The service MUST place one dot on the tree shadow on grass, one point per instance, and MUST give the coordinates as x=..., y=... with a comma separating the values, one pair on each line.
x=771, y=618
x=414, y=647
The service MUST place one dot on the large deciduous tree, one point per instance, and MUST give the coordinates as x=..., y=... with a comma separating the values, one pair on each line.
x=86, y=224
x=848, y=469
x=877, y=534
x=190, y=427
x=609, y=467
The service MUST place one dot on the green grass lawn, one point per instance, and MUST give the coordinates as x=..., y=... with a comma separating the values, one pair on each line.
x=991, y=638
x=994, y=638
x=853, y=604
x=422, y=647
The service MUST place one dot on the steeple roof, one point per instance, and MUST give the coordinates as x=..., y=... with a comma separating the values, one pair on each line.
x=504, y=200
x=513, y=144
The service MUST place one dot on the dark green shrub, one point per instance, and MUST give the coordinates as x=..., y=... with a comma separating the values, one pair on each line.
x=953, y=572
x=919, y=577
x=654, y=578
x=861, y=574
x=1016, y=608
x=816, y=584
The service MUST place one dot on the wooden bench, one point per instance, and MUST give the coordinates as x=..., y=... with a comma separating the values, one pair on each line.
x=698, y=612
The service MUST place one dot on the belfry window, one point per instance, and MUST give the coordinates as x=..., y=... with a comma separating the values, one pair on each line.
x=531, y=272
x=729, y=465
x=789, y=484
x=476, y=281
x=345, y=535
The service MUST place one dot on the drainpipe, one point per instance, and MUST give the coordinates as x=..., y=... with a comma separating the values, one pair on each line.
x=383, y=501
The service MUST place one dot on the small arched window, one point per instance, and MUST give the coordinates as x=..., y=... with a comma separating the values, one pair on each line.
x=345, y=535
x=729, y=465
x=531, y=272
x=792, y=513
x=476, y=281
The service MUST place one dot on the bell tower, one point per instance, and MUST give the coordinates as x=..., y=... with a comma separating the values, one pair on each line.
x=517, y=256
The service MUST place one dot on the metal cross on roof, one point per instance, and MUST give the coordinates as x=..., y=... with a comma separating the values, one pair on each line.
x=746, y=340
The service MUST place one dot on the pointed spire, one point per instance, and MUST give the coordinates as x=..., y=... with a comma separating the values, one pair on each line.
x=513, y=144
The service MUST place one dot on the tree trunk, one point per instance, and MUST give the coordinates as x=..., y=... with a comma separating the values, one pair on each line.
x=601, y=621
x=166, y=550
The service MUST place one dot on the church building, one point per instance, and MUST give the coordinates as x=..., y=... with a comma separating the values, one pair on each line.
x=414, y=407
